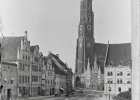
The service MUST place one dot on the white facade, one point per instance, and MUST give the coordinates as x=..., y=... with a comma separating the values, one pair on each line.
x=49, y=78
x=24, y=67
x=36, y=71
x=117, y=78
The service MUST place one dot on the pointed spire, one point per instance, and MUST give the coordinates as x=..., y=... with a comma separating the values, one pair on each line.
x=95, y=65
x=95, y=62
x=26, y=34
x=88, y=65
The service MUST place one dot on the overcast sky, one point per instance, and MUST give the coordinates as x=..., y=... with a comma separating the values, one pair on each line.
x=53, y=24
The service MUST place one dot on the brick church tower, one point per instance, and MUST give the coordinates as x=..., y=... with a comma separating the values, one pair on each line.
x=85, y=41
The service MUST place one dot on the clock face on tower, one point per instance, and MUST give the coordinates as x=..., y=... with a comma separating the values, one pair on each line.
x=81, y=27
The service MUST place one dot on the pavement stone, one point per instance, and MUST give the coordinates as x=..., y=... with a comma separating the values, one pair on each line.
x=104, y=98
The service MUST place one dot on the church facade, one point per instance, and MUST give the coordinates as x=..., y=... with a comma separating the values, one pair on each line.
x=85, y=51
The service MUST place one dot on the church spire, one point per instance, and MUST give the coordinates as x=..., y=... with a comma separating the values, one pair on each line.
x=85, y=41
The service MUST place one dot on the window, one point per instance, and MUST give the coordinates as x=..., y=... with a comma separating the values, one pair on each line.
x=119, y=73
x=28, y=57
x=128, y=81
x=20, y=79
x=89, y=6
x=119, y=80
x=25, y=79
x=109, y=80
x=128, y=73
x=89, y=27
x=89, y=19
x=109, y=73
x=119, y=89
x=20, y=67
x=109, y=89
x=28, y=79
x=28, y=67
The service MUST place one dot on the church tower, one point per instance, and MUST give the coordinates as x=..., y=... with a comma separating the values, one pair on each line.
x=85, y=41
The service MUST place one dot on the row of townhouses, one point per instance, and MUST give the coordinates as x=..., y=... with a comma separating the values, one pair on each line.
x=26, y=72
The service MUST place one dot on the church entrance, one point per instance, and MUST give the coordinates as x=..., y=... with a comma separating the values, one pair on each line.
x=77, y=82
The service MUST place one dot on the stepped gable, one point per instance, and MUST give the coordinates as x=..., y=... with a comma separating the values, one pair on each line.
x=119, y=53
x=32, y=48
x=9, y=47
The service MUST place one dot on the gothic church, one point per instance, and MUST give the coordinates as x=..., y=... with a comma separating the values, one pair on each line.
x=88, y=52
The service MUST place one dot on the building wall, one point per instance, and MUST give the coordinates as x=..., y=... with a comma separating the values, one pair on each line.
x=9, y=79
x=49, y=80
x=24, y=68
x=117, y=77
x=36, y=72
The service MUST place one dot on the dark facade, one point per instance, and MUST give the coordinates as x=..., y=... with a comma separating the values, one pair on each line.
x=85, y=41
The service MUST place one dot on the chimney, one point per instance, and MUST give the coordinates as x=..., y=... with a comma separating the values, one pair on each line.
x=49, y=52
x=26, y=34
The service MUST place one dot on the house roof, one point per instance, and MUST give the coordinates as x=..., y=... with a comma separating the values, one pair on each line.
x=60, y=61
x=100, y=52
x=57, y=69
x=9, y=47
x=119, y=53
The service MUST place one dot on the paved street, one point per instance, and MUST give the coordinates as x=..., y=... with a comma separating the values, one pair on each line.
x=95, y=97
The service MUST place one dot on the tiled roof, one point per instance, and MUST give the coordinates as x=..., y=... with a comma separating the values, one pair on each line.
x=119, y=53
x=100, y=52
x=60, y=61
x=116, y=53
x=9, y=47
x=57, y=69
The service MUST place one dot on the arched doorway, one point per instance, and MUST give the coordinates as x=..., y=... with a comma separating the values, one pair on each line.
x=77, y=82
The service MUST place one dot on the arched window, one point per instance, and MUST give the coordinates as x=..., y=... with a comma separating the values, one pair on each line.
x=119, y=89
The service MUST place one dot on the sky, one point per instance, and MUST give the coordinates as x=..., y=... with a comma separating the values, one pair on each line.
x=53, y=24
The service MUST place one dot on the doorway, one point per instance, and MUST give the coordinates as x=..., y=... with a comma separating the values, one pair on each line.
x=8, y=94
